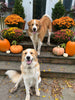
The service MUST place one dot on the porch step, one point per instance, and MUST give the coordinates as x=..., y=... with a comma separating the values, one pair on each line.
x=44, y=47
x=27, y=38
x=47, y=70
x=45, y=57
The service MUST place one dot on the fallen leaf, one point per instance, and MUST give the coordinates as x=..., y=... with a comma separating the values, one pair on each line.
x=56, y=99
x=9, y=96
x=39, y=89
x=43, y=96
x=49, y=69
x=49, y=97
x=43, y=70
x=16, y=96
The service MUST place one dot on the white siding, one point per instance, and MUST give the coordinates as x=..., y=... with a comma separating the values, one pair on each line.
x=49, y=5
x=28, y=8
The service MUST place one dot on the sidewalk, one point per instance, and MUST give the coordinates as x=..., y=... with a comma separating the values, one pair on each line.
x=46, y=88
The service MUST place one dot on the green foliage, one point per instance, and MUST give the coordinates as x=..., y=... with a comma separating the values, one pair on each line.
x=19, y=9
x=73, y=38
x=58, y=11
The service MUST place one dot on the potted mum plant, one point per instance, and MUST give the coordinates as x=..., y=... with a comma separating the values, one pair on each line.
x=63, y=36
x=14, y=20
x=63, y=23
x=13, y=33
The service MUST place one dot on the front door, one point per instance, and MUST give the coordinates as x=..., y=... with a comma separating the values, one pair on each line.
x=39, y=7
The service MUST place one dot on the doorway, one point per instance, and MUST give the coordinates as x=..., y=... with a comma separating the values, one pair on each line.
x=39, y=8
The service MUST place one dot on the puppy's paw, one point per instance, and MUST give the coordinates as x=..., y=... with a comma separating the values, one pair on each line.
x=38, y=53
x=27, y=97
x=37, y=93
x=13, y=89
x=48, y=43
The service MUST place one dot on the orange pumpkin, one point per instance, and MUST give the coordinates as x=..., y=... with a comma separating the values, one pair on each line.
x=58, y=51
x=70, y=48
x=4, y=44
x=16, y=48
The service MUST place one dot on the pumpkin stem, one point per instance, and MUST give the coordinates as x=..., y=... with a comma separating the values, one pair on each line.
x=63, y=45
x=1, y=37
x=14, y=42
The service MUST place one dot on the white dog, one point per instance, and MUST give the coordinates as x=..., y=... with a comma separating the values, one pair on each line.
x=38, y=29
x=30, y=72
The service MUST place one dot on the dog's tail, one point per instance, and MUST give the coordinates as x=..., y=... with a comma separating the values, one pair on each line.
x=48, y=16
x=13, y=75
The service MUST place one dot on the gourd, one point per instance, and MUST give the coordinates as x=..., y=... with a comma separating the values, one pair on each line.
x=70, y=48
x=4, y=44
x=58, y=51
x=16, y=48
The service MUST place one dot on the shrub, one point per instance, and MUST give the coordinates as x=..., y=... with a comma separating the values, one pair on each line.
x=63, y=36
x=12, y=33
x=14, y=20
x=19, y=9
x=58, y=11
x=63, y=23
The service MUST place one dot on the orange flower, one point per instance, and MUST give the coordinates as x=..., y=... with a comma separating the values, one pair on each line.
x=13, y=19
x=63, y=22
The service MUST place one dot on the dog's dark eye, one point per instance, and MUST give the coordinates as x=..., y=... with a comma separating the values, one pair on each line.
x=31, y=52
x=36, y=24
x=25, y=53
x=32, y=24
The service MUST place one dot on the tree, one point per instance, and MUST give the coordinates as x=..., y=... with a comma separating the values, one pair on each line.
x=19, y=9
x=58, y=11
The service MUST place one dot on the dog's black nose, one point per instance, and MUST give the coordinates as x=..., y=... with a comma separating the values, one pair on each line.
x=28, y=57
x=34, y=29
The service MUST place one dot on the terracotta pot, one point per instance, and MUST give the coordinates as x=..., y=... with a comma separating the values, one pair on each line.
x=24, y=25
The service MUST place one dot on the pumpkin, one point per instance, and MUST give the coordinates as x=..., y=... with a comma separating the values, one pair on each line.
x=58, y=51
x=70, y=48
x=4, y=44
x=16, y=48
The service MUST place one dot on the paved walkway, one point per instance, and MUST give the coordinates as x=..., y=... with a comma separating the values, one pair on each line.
x=59, y=88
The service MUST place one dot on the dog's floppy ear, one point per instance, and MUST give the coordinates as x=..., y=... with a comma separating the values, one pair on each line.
x=29, y=23
x=22, y=56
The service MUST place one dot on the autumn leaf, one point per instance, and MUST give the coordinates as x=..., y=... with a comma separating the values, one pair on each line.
x=49, y=69
x=43, y=70
x=56, y=99
x=43, y=96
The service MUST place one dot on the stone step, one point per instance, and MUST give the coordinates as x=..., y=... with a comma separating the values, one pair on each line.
x=47, y=70
x=45, y=57
x=44, y=47
x=27, y=38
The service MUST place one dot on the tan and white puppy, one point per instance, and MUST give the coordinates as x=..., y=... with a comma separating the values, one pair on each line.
x=38, y=29
x=30, y=72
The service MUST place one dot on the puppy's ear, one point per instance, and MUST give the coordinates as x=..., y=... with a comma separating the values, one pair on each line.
x=29, y=23
x=22, y=56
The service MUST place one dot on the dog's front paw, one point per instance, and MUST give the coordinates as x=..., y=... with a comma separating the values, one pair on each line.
x=27, y=97
x=37, y=93
x=48, y=43
x=38, y=53
x=13, y=89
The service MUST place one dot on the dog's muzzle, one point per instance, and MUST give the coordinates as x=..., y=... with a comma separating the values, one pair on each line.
x=29, y=61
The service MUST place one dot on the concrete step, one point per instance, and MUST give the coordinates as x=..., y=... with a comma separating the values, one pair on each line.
x=45, y=57
x=44, y=47
x=27, y=38
x=47, y=70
